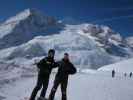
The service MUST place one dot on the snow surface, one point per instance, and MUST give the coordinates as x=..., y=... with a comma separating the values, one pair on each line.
x=129, y=41
x=85, y=85
x=5, y=29
x=123, y=66
x=81, y=87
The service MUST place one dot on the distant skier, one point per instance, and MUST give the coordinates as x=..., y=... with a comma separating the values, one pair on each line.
x=65, y=69
x=45, y=67
x=113, y=73
x=125, y=74
x=131, y=74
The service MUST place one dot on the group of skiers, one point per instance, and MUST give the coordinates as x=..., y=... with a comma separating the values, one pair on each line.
x=125, y=74
x=130, y=74
x=45, y=66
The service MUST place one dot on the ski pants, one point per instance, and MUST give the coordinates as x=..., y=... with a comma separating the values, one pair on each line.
x=42, y=81
x=59, y=81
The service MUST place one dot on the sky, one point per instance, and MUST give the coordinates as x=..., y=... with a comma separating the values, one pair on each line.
x=117, y=14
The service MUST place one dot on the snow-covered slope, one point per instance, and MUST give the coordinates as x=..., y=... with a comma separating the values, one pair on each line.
x=83, y=49
x=123, y=66
x=129, y=41
x=80, y=87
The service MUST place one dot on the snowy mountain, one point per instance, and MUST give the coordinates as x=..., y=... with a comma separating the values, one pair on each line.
x=26, y=38
x=129, y=41
x=25, y=26
x=83, y=50
x=30, y=34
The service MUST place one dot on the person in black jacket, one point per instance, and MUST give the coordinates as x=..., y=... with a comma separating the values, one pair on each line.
x=45, y=67
x=65, y=69
x=130, y=74
x=113, y=73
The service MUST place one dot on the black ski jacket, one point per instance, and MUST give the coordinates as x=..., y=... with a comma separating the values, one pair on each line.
x=46, y=65
x=65, y=68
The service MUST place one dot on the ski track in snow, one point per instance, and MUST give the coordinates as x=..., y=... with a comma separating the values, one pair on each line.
x=81, y=87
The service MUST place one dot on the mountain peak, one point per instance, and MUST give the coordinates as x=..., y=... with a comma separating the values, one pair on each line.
x=27, y=24
x=24, y=14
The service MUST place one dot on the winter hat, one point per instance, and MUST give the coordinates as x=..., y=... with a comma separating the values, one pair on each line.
x=66, y=54
x=51, y=51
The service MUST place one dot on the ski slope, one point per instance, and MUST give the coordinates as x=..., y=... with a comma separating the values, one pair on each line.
x=81, y=87
x=125, y=66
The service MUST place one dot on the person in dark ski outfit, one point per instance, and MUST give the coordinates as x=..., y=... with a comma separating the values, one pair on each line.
x=45, y=67
x=113, y=73
x=130, y=74
x=65, y=69
x=125, y=74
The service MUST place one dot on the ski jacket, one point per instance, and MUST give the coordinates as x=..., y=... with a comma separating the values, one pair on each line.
x=46, y=65
x=65, y=68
